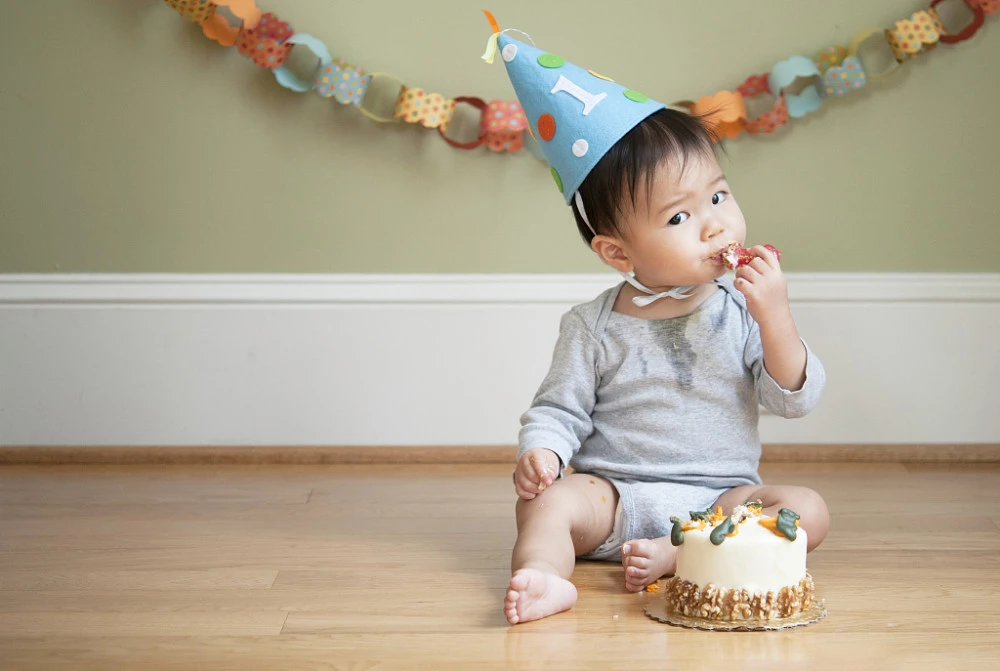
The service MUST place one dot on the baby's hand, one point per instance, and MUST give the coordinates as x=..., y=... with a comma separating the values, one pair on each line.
x=763, y=284
x=536, y=470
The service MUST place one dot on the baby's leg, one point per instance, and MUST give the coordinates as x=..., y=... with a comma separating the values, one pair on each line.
x=807, y=504
x=571, y=517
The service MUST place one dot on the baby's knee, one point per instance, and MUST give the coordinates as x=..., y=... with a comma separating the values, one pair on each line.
x=814, y=514
x=554, y=500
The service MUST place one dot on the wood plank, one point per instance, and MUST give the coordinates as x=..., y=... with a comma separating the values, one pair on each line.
x=534, y=646
x=25, y=579
x=241, y=623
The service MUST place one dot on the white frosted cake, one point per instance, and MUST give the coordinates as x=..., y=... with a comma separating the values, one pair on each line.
x=746, y=566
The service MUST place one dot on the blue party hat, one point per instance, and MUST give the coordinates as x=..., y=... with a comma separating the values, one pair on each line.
x=576, y=114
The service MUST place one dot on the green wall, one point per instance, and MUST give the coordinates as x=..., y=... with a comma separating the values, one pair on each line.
x=130, y=143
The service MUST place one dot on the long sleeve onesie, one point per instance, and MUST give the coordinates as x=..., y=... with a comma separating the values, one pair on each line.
x=667, y=410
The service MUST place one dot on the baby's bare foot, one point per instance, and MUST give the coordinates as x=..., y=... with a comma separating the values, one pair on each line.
x=534, y=594
x=645, y=561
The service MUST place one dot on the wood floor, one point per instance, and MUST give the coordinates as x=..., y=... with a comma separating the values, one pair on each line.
x=364, y=567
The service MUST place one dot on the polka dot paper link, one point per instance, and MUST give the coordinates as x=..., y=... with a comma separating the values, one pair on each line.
x=430, y=110
x=344, y=83
x=195, y=11
x=771, y=120
x=830, y=57
x=265, y=43
x=844, y=78
x=913, y=35
x=503, y=125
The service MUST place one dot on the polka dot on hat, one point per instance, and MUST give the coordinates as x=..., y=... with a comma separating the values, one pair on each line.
x=557, y=178
x=546, y=127
x=551, y=61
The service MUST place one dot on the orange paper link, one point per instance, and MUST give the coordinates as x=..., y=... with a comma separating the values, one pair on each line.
x=913, y=35
x=218, y=28
x=430, y=110
x=725, y=112
x=195, y=11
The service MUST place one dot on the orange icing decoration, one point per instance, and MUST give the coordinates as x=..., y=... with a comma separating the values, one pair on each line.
x=770, y=523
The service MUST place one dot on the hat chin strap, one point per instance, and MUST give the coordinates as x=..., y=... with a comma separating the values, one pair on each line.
x=638, y=301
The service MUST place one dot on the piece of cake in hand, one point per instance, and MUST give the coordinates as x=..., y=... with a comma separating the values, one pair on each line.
x=736, y=255
x=744, y=567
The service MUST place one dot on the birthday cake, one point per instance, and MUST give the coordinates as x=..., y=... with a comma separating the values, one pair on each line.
x=743, y=567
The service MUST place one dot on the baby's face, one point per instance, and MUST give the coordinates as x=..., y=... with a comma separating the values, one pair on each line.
x=675, y=232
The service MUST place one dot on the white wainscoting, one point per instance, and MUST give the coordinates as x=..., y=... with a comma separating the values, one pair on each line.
x=440, y=359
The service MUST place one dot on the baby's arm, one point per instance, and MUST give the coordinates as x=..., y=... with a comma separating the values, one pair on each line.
x=789, y=377
x=558, y=421
x=763, y=284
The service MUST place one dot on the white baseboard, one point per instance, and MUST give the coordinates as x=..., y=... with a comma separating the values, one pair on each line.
x=440, y=359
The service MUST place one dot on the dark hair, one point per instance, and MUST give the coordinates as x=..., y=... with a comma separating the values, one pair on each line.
x=661, y=137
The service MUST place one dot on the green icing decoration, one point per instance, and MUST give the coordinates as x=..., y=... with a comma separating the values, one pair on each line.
x=720, y=532
x=555, y=176
x=551, y=61
x=635, y=96
x=701, y=515
x=786, y=523
x=677, y=532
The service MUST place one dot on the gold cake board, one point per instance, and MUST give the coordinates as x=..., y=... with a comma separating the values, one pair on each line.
x=657, y=610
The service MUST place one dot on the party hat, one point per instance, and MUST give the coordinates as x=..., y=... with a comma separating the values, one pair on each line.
x=576, y=114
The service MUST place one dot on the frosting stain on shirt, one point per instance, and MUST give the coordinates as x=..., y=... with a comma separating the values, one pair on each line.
x=672, y=337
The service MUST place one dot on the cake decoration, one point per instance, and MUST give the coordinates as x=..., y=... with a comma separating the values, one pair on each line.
x=677, y=532
x=720, y=532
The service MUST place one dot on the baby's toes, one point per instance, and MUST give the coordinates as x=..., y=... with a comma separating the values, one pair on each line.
x=638, y=549
x=636, y=562
x=636, y=579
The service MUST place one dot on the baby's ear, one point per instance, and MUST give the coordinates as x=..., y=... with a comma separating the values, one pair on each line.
x=611, y=252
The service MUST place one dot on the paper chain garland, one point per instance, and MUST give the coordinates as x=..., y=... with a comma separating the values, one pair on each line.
x=836, y=71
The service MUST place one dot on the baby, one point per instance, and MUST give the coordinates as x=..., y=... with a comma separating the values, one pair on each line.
x=653, y=393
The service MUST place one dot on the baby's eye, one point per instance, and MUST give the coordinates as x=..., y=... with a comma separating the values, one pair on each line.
x=678, y=218
x=718, y=197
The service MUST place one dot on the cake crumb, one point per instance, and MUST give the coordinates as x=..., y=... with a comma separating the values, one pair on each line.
x=614, y=617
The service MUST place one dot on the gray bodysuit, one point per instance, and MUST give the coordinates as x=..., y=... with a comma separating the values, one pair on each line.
x=666, y=410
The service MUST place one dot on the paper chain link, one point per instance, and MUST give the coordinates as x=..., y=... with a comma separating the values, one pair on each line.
x=799, y=85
